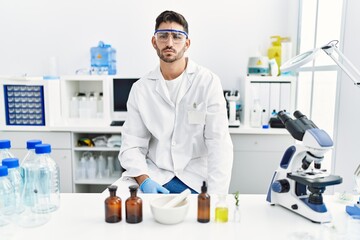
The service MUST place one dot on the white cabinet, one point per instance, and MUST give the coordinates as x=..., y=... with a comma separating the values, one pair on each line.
x=256, y=157
x=83, y=181
x=60, y=151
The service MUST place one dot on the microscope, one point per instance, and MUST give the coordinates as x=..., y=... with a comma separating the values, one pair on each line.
x=299, y=181
x=232, y=98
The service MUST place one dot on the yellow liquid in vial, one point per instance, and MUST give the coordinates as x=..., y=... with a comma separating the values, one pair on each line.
x=221, y=214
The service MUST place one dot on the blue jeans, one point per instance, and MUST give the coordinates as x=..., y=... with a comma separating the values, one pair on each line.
x=175, y=185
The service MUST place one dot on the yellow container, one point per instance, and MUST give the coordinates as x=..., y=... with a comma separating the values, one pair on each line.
x=275, y=50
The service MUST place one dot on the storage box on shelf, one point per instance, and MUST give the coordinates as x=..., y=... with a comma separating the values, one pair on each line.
x=95, y=167
x=29, y=102
x=273, y=93
x=94, y=107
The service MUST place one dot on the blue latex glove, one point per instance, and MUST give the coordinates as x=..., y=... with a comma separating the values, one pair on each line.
x=149, y=186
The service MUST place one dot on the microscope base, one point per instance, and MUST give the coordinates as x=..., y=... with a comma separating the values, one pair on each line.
x=300, y=207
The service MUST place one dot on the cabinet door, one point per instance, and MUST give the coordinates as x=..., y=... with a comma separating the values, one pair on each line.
x=63, y=159
x=256, y=157
x=252, y=171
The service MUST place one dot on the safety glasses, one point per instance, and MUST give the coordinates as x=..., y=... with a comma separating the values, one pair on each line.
x=163, y=35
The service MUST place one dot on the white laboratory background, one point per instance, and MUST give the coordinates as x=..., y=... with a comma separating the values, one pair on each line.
x=224, y=34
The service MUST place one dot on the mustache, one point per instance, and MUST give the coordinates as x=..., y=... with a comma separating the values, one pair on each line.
x=168, y=48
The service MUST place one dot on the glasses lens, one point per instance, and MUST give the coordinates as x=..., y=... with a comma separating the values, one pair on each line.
x=177, y=37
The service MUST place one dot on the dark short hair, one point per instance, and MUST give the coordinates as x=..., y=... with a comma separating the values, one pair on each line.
x=171, y=16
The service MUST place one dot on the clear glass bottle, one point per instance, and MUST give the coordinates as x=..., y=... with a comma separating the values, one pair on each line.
x=16, y=180
x=221, y=210
x=5, y=146
x=112, y=206
x=7, y=197
x=30, y=155
x=48, y=190
x=133, y=206
x=29, y=195
x=203, y=214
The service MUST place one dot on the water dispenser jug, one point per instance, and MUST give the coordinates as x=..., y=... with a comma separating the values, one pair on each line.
x=103, y=59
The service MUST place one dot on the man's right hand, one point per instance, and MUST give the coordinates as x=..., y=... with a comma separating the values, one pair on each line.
x=150, y=186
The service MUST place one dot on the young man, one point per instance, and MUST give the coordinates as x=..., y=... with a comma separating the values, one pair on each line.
x=176, y=134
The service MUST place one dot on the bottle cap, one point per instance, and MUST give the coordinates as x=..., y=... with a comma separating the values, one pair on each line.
x=204, y=187
x=43, y=148
x=133, y=188
x=32, y=143
x=3, y=171
x=5, y=144
x=10, y=162
x=112, y=188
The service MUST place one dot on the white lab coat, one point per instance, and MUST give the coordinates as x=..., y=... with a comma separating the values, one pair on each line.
x=189, y=140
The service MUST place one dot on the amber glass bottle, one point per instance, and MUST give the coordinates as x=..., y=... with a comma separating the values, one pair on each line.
x=112, y=206
x=203, y=205
x=133, y=206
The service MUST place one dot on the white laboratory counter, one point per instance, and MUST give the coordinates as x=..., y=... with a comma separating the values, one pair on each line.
x=81, y=216
x=101, y=128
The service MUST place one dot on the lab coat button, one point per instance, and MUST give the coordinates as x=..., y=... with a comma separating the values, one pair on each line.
x=173, y=143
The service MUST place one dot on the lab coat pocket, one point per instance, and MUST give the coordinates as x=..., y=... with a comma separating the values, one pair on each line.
x=197, y=113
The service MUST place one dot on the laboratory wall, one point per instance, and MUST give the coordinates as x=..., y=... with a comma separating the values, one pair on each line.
x=224, y=34
x=347, y=135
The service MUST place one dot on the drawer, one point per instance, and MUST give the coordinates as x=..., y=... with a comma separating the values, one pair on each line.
x=59, y=140
x=261, y=142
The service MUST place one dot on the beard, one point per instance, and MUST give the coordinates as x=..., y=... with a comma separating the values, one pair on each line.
x=170, y=58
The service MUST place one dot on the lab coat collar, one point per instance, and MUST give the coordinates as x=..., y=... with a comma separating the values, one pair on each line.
x=162, y=89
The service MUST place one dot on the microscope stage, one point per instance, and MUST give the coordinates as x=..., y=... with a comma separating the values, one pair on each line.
x=317, y=182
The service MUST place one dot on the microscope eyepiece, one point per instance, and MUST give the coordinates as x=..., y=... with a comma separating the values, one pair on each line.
x=283, y=117
x=298, y=114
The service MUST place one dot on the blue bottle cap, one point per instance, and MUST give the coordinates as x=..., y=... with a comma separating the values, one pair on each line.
x=32, y=143
x=5, y=144
x=3, y=171
x=10, y=162
x=43, y=148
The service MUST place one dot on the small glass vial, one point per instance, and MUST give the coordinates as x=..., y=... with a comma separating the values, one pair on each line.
x=112, y=206
x=203, y=205
x=221, y=210
x=237, y=215
x=133, y=206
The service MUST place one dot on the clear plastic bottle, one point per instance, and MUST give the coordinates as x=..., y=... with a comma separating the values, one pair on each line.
x=48, y=190
x=5, y=146
x=101, y=166
x=255, y=116
x=16, y=180
x=91, y=168
x=203, y=205
x=81, y=168
x=221, y=210
x=110, y=165
x=112, y=206
x=7, y=197
x=133, y=206
x=264, y=119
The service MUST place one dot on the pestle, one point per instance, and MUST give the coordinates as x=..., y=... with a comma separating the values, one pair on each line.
x=176, y=200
